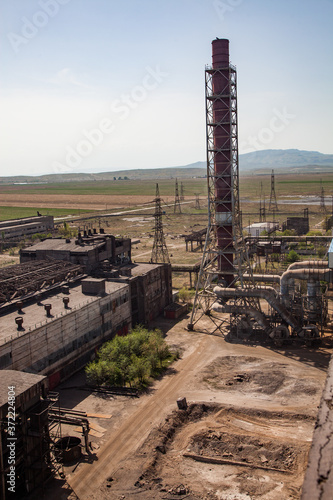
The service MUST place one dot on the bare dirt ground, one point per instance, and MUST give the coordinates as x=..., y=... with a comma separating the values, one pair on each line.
x=245, y=435
x=8, y=260
x=77, y=201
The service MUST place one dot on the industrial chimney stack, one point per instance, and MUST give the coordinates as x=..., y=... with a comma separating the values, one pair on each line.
x=223, y=259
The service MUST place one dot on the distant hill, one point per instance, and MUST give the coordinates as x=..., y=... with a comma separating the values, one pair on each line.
x=285, y=161
x=139, y=174
x=259, y=162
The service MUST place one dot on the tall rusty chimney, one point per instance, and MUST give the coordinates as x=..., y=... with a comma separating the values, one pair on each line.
x=222, y=158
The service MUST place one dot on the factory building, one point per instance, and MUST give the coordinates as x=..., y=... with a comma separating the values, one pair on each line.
x=56, y=334
x=57, y=307
x=17, y=228
x=25, y=434
x=88, y=251
x=150, y=289
x=257, y=228
x=298, y=224
x=68, y=296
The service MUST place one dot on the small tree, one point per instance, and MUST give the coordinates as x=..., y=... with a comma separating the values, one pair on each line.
x=292, y=257
x=321, y=251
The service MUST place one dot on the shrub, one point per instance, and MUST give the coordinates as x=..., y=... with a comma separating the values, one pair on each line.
x=321, y=251
x=185, y=294
x=130, y=360
x=292, y=257
x=314, y=233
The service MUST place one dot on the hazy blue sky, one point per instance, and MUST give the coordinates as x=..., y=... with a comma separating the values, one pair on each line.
x=97, y=85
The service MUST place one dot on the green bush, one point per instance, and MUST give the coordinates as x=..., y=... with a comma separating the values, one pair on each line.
x=314, y=233
x=321, y=251
x=292, y=257
x=67, y=231
x=185, y=295
x=130, y=360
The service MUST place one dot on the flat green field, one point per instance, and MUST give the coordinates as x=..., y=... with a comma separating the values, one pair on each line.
x=286, y=185
x=122, y=187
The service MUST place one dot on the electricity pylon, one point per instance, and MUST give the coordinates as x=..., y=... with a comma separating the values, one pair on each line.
x=159, y=252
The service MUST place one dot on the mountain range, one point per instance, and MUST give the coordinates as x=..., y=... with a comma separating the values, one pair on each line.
x=257, y=162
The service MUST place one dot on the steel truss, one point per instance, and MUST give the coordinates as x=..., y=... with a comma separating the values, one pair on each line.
x=232, y=252
x=177, y=206
x=159, y=252
x=273, y=206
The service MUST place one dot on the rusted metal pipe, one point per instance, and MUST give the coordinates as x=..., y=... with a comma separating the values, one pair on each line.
x=265, y=294
x=246, y=311
x=308, y=274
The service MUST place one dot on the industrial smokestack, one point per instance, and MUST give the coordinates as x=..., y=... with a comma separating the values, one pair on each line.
x=222, y=135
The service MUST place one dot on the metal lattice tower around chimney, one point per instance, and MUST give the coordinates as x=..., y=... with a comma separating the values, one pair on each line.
x=273, y=206
x=225, y=258
x=159, y=252
x=177, y=207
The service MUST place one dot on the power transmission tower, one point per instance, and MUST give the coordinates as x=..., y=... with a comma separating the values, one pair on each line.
x=322, y=198
x=182, y=192
x=273, y=207
x=197, y=201
x=177, y=207
x=159, y=252
x=262, y=209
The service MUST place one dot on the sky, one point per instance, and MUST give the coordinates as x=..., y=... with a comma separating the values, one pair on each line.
x=104, y=85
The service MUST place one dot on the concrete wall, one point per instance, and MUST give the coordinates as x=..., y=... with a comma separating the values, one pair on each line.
x=318, y=482
x=63, y=345
x=150, y=293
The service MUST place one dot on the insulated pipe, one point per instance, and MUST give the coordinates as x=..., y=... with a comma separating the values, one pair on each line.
x=265, y=294
x=308, y=263
x=302, y=274
x=250, y=311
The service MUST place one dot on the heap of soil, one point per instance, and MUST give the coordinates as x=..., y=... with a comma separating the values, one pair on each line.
x=266, y=377
x=242, y=448
x=214, y=444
